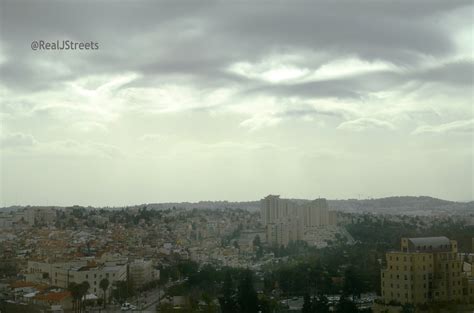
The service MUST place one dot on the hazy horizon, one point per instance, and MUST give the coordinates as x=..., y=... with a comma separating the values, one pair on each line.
x=212, y=100
x=222, y=200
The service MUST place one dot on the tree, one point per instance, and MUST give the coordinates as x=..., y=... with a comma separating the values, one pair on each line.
x=227, y=301
x=267, y=305
x=256, y=241
x=307, y=307
x=75, y=293
x=83, y=288
x=78, y=292
x=247, y=297
x=236, y=245
x=345, y=305
x=259, y=253
x=104, y=284
x=408, y=308
x=209, y=305
x=321, y=304
x=285, y=278
x=123, y=290
x=352, y=283
x=316, y=279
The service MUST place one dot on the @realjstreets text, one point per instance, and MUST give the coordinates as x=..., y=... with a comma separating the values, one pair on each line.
x=64, y=45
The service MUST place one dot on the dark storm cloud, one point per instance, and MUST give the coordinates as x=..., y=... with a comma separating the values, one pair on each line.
x=456, y=73
x=25, y=75
x=397, y=33
x=201, y=39
x=113, y=26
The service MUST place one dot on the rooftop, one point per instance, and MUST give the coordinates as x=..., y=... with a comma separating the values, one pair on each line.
x=429, y=244
x=54, y=296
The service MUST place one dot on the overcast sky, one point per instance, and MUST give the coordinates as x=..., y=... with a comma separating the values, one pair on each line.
x=214, y=100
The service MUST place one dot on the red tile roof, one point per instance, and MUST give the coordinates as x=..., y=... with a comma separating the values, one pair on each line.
x=22, y=283
x=53, y=296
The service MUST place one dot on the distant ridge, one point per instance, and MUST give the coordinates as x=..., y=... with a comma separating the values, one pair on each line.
x=390, y=205
x=401, y=204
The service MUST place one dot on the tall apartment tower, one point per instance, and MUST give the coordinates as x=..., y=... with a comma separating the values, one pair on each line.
x=273, y=209
x=285, y=221
x=424, y=270
x=315, y=213
x=283, y=232
x=268, y=207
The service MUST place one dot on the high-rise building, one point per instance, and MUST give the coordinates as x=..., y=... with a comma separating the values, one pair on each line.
x=425, y=270
x=285, y=221
x=332, y=217
x=274, y=209
x=315, y=213
x=283, y=232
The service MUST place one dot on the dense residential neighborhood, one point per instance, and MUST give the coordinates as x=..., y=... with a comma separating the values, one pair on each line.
x=70, y=259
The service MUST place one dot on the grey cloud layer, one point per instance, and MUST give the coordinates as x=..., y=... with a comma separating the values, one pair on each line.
x=202, y=39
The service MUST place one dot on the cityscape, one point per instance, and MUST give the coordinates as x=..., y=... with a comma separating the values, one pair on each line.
x=180, y=156
x=272, y=255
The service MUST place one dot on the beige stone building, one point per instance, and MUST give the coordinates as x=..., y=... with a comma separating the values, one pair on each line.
x=63, y=274
x=142, y=272
x=426, y=270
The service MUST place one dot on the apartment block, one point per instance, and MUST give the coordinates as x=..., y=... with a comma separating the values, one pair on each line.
x=285, y=220
x=425, y=270
x=141, y=272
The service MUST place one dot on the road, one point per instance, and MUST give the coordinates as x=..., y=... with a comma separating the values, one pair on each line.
x=145, y=303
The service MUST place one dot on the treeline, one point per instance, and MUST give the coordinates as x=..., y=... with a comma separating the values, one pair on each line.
x=241, y=290
x=385, y=234
x=233, y=288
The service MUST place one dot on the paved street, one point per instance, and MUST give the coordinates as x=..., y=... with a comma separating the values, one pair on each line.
x=145, y=303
